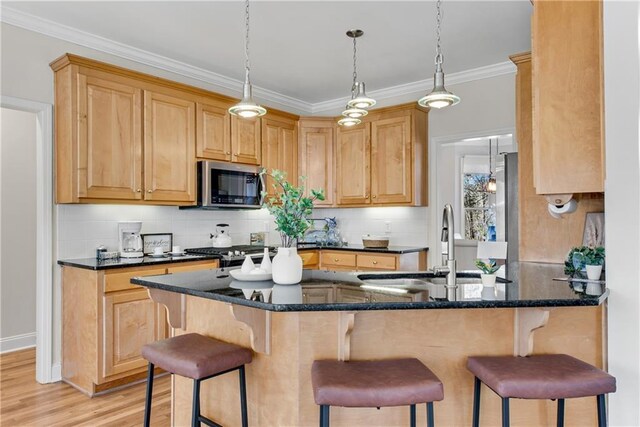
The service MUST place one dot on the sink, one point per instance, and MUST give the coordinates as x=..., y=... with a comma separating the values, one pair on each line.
x=403, y=282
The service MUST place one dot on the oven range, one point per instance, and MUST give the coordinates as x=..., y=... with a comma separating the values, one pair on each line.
x=233, y=255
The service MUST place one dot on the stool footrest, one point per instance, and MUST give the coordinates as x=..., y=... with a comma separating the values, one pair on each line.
x=208, y=422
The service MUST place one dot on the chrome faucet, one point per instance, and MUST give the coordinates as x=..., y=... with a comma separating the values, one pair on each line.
x=448, y=267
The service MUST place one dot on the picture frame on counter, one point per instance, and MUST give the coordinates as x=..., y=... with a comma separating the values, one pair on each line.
x=153, y=240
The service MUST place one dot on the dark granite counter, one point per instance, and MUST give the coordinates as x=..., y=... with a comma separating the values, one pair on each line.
x=360, y=248
x=95, y=264
x=525, y=285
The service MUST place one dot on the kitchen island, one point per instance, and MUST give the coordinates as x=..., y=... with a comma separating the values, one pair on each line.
x=380, y=316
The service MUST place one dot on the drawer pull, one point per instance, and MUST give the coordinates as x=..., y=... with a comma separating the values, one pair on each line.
x=375, y=262
x=336, y=260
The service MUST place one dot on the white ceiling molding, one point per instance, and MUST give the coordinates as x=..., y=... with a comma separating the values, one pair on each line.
x=53, y=29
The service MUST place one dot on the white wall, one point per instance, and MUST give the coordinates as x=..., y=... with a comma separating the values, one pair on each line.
x=622, y=205
x=17, y=227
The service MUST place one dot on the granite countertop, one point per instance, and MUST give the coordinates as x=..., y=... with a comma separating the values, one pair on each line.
x=360, y=248
x=95, y=264
x=525, y=285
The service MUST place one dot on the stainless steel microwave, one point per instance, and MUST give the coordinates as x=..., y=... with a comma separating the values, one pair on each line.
x=229, y=185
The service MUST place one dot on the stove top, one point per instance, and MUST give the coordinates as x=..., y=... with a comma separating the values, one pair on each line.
x=232, y=253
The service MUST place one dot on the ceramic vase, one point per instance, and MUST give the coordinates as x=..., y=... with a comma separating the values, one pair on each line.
x=266, y=262
x=287, y=267
x=488, y=280
x=593, y=272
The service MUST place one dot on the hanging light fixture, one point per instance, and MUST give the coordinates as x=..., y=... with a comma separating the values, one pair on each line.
x=439, y=97
x=247, y=108
x=356, y=107
x=492, y=186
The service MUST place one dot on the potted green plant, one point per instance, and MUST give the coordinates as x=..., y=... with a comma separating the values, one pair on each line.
x=291, y=210
x=489, y=269
x=588, y=258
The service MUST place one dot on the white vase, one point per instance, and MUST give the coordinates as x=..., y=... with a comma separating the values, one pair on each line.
x=488, y=280
x=287, y=267
x=266, y=262
x=247, y=265
x=594, y=271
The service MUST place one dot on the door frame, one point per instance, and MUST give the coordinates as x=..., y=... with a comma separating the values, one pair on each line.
x=44, y=233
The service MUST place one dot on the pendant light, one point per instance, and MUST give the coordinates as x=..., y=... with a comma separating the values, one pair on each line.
x=439, y=97
x=356, y=107
x=492, y=186
x=247, y=108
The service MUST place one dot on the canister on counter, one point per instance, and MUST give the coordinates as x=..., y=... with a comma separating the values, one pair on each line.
x=101, y=251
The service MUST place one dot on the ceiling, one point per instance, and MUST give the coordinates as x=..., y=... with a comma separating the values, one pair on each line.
x=299, y=48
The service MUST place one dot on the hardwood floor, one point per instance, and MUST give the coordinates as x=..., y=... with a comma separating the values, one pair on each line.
x=24, y=402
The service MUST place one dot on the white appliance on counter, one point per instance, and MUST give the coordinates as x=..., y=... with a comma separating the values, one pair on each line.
x=130, y=240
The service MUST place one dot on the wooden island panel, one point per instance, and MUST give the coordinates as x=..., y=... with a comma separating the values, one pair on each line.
x=279, y=384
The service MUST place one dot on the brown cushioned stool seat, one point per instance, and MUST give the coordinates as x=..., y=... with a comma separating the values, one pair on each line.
x=546, y=376
x=195, y=356
x=199, y=358
x=374, y=383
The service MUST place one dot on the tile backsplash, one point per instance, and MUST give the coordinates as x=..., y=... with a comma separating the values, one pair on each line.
x=81, y=228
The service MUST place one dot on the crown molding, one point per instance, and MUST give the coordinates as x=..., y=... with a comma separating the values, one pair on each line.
x=53, y=29
x=423, y=86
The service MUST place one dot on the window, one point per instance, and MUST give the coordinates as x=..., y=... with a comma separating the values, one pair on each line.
x=479, y=207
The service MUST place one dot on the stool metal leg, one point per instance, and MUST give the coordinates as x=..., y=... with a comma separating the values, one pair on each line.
x=560, y=422
x=195, y=416
x=412, y=415
x=505, y=412
x=602, y=411
x=430, y=422
x=147, y=401
x=476, y=402
x=243, y=397
x=324, y=415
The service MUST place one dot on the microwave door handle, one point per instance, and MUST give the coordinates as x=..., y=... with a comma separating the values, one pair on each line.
x=263, y=189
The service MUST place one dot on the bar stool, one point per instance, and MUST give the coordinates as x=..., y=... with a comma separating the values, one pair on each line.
x=547, y=376
x=374, y=384
x=199, y=358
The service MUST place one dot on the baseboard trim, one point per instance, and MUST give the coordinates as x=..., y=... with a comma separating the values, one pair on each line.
x=17, y=342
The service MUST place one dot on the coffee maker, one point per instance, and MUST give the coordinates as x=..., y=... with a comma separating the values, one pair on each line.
x=130, y=240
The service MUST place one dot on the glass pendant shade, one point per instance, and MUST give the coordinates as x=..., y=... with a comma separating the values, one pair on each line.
x=247, y=108
x=354, y=113
x=360, y=99
x=439, y=97
x=492, y=185
x=349, y=121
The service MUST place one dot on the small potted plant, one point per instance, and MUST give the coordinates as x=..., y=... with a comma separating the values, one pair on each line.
x=588, y=258
x=291, y=209
x=489, y=269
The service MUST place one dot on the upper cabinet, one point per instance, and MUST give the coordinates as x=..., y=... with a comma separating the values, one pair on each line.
x=213, y=131
x=383, y=161
x=245, y=140
x=279, y=147
x=567, y=82
x=316, y=156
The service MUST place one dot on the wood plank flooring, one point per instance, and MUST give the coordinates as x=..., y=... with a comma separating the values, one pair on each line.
x=25, y=403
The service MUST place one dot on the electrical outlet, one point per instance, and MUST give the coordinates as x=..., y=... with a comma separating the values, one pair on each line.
x=387, y=226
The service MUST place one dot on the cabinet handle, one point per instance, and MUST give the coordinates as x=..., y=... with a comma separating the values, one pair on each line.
x=304, y=295
x=228, y=152
x=366, y=196
x=336, y=260
x=375, y=262
x=138, y=190
x=375, y=196
x=149, y=191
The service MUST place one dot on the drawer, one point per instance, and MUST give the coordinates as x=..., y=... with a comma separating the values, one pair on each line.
x=378, y=262
x=181, y=268
x=338, y=259
x=121, y=280
x=309, y=259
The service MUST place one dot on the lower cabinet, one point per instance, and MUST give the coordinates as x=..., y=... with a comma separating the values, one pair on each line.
x=348, y=260
x=106, y=322
x=351, y=295
x=318, y=295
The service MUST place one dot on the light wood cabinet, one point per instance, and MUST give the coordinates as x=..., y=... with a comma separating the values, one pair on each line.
x=370, y=261
x=350, y=260
x=169, y=148
x=568, y=134
x=310, y=259
x=337, y=260
x=316, y=153
x=109, y=139
x=246, y=140
x=280, y=148
x=213, y=131
x=383, y=161
x=317, y=294
x=107, y=320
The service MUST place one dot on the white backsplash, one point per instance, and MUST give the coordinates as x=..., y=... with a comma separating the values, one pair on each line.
x=82, y=228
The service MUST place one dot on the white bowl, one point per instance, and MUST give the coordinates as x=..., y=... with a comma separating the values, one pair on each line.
x=248, y=277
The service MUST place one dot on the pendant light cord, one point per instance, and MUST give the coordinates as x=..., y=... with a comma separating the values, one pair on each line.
x=439, y=57
x=247, y=64
x=355, y=72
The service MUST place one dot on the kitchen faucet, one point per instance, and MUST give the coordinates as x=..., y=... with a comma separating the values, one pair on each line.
x=448, y=255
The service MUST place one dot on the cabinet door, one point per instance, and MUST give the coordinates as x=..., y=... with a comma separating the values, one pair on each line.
x=279, y=150
x=169, y=148
x=367, y=261
x=131, y=320
x=245, y=141
x=353, y=166
x=317, y=295
x=391, y=161
x=351, y=295
x=310, y=259
x=384, y=297
x=568, y=138
x=317, y=161
x=109, y=139
x=337, y=260
x=213, y=133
